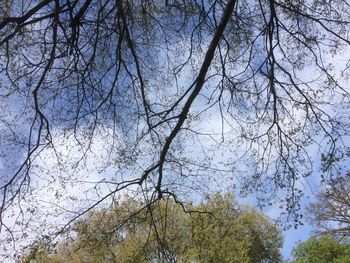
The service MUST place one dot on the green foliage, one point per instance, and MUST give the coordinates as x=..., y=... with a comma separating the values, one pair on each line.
x=321, y=250
x=217, y=230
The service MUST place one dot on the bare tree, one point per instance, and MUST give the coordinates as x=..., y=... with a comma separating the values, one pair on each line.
x=330, y=213
x=163, y=87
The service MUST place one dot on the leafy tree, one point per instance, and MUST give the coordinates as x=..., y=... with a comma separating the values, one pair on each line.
x=217, y=230
x=164, y=97
x=321, y=250
x=245, y=236
x=331, y=211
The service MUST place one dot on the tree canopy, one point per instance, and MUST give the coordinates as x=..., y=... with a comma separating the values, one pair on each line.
x=330, y=213
x=217, y=230
x=321, y=250
x=165, y=98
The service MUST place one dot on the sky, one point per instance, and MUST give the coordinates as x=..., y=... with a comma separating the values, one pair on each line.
x=71, y=188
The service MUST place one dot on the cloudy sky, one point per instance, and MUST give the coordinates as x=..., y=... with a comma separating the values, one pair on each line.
x=66, y=180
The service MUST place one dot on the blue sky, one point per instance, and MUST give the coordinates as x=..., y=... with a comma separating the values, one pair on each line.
x=74, y=186
x=292, y=237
